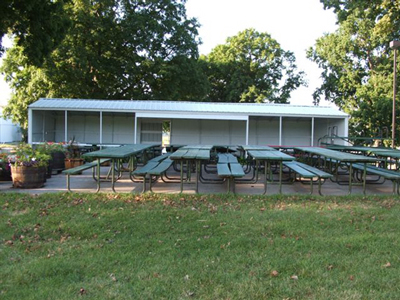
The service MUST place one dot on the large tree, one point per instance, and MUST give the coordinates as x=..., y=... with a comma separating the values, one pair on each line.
x=114, y=49
x=252, y=67
x=38, y=25
x=357, y=62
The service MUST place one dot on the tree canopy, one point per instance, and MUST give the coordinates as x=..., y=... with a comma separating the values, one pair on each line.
x=38, y=25
x=252, y=67
x=357, y=62
x=114, y=49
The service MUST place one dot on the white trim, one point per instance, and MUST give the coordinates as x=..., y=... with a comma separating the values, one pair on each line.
x=66, y=126
x=191, y=116
x=43, y=126
x=195, y=115
x=280, y=131
x=101, y=128
x=135, y=131
x=247, y=130
x=312, y=132
x=346, y=130
x=30, y=119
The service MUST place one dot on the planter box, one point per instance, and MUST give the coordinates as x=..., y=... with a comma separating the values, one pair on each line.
x=28, y=177
x=58, y=159
x=73, y=162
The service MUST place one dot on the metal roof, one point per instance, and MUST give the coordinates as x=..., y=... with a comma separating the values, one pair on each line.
x=253, y=109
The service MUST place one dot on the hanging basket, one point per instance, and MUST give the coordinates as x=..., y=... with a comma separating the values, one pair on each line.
x=28, y=177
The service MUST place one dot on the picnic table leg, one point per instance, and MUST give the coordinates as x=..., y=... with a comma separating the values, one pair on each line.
x=181, y=163
x=197, y=163
x=98, y=175
x=144, y=183
x=311, y=187
x=350, y=177
x=265, y=176
x=68, y=183
x=113, y=175
x=319, y=186
x=364, y=177
x=280, y=177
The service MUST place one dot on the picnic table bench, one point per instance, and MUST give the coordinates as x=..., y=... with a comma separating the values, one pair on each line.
x=340, y=158
x=229, y=168
x=306, y=171
x=154, y=167
x=386, y=174
x=267, y=157
x=191, y=154
x=78, y=170
x=117, y=155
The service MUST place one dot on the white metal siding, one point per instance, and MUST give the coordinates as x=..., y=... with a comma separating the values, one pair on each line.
x=296, y=132
x=264, y=131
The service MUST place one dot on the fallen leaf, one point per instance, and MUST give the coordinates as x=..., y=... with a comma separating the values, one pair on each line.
x=113, y=277
x=387, y=265
x=82, y=291
x=274, y=273
x=186, y=277
x=294, y=277
x=262, y=208
x=330, y=267
x=351, y=277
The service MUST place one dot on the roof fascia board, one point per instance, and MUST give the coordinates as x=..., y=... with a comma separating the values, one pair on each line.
x=191, y=116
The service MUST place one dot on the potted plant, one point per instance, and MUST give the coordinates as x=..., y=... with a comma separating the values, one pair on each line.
x=57, y=152
x=73, y=155
x=28, y=167
x=5, y=170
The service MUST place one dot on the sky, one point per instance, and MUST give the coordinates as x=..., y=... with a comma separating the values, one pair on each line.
x=294, y=24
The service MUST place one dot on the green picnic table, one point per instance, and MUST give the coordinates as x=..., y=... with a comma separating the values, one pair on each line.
x=196, y=154
x=362, y=149
x=267, y=157
x=117, y=154
x=257, y=147
x=341, y=157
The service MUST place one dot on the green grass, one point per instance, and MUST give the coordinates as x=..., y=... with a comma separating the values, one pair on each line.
x=198, y=247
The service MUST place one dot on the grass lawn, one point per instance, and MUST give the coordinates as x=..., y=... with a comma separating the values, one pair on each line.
x=106, y=246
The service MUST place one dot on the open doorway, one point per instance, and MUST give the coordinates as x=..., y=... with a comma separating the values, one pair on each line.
x=166, y=134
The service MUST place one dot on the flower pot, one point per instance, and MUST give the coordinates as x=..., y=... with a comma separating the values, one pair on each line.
x=73, y=162
x=28, y=177
x=58, y=161
x=49, y=168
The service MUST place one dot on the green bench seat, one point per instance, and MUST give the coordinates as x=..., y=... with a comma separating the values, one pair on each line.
x=306, y=171
x=154, y=167
x=229, y=168
x=78, y=170
x=161, y=168
x=391, y=175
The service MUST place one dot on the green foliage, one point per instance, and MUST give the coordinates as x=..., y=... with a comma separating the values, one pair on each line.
x=39, y=26
x=25, y=155
x=50, y=147
x=157, y=246
x=114, y=49
x=357, y=63
x=252, y=67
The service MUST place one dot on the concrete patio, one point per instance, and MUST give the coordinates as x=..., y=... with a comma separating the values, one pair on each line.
x=84, y=183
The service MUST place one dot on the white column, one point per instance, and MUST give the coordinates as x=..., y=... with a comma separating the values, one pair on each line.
x=312, y=132
x=135, y=132
x=101, y=127
x=30, y=114
x=280, y=131
x=66, y=126
x=43, y=125
x=247, y=129
x=346, y=130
